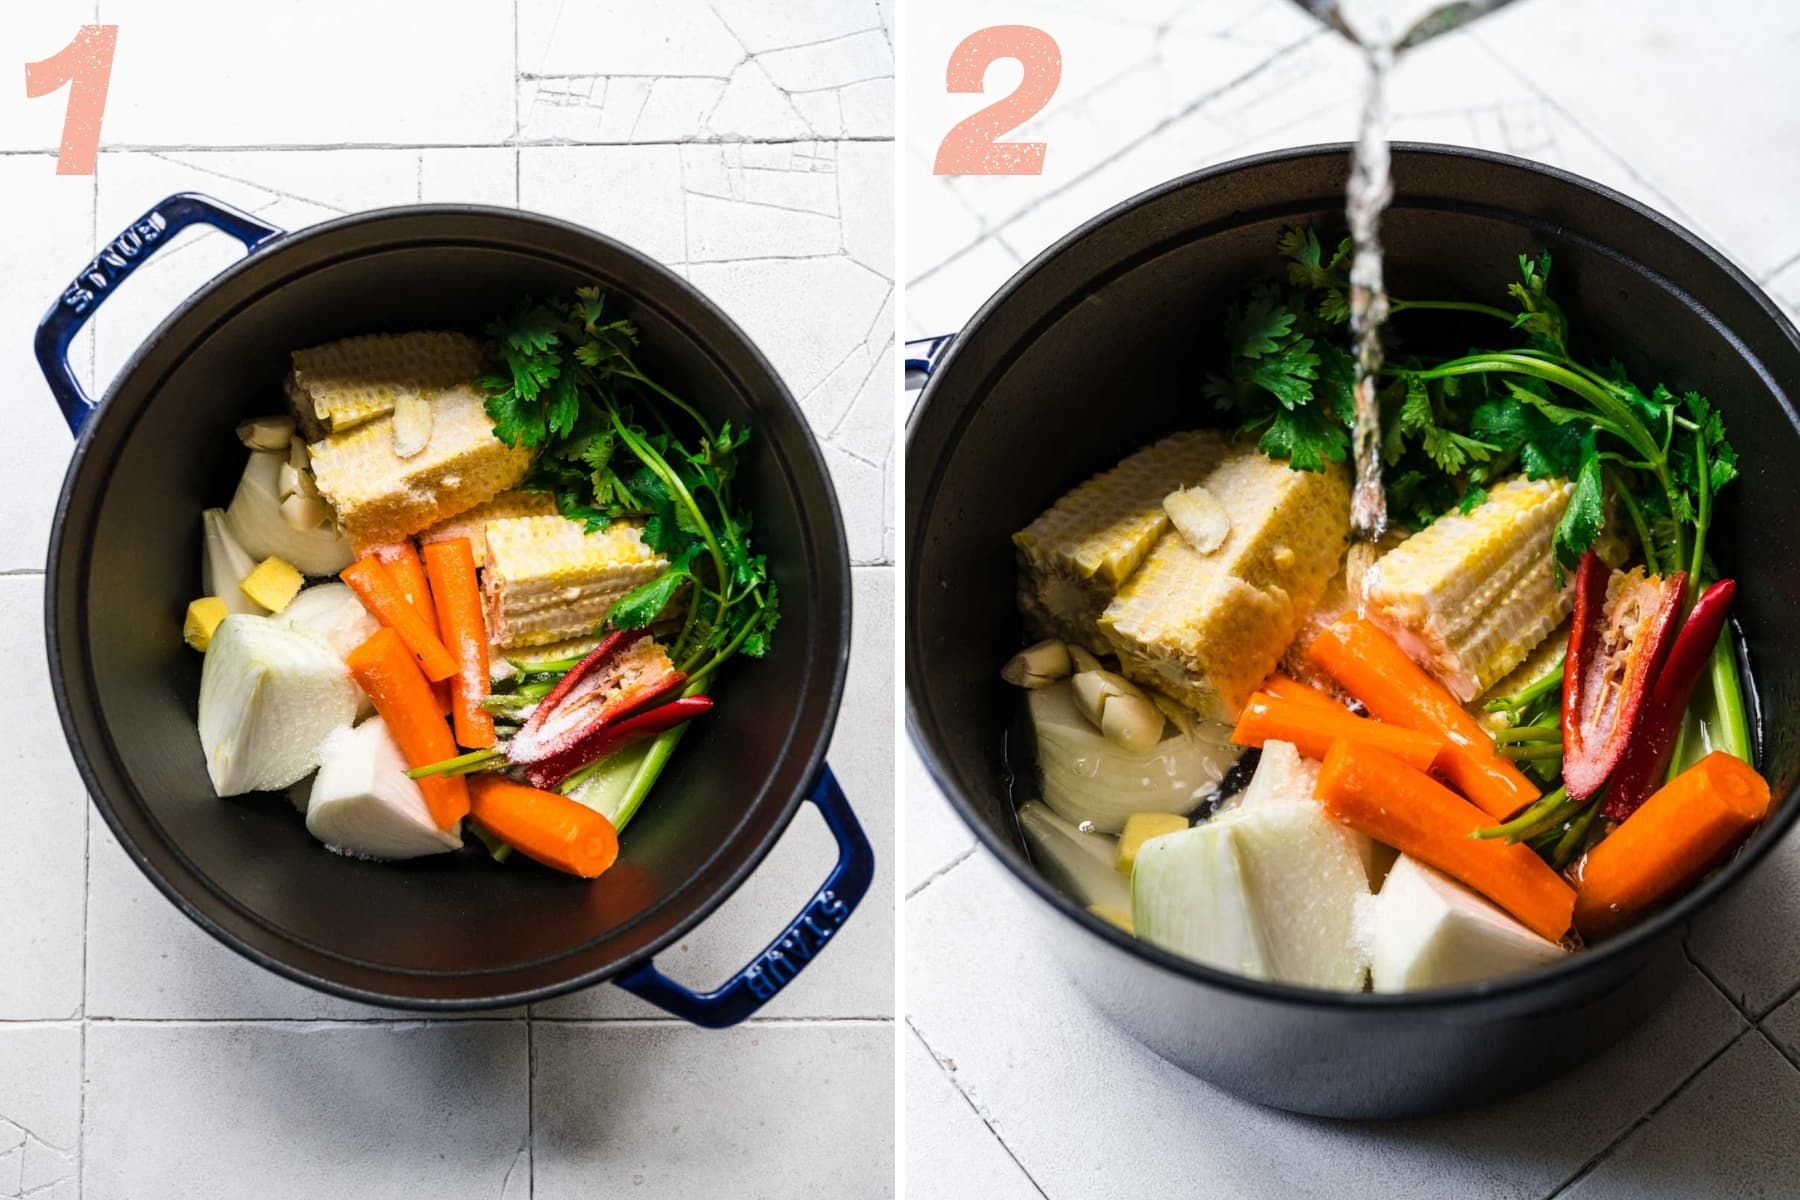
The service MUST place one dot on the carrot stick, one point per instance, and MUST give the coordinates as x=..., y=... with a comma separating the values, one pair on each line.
x=1285, y=687
x=402, y=562
x=1676, y=836
x=1370, y=666
x=1312, y=729
x=457, y=596
x=1376, y=794
x=385, y=669
x=401, y=559
x=370, y=580
x=553, y=829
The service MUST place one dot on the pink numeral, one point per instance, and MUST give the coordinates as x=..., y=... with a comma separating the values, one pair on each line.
x=971, y=148
x=85, y=64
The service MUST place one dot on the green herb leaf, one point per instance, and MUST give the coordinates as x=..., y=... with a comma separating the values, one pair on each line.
x=646, y=602
x=1586, y=515
x=1542, y=318
x=1306, y=438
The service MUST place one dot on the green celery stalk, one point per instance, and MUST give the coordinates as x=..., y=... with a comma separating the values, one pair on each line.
x=1731, y=733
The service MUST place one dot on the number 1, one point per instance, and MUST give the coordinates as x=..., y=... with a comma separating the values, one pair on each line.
x=86, y=65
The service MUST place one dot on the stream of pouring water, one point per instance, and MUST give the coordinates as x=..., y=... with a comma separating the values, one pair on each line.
x=1370, y=190
x=1382, y=38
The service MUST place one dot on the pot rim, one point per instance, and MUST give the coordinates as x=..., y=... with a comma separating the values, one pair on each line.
x=808, y=453
x=1462, y=998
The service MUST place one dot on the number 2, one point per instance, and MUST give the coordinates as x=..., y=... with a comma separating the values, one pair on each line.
x=86, y=65
x=971, y=147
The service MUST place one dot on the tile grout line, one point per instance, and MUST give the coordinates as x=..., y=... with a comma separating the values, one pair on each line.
x=950, y=1078
x=1557, y=105
x=1792, y=1058
x=944, y=870
x=1095, y=168
x=1754, y=1018
x=1649, y=1114
x=1712, y=979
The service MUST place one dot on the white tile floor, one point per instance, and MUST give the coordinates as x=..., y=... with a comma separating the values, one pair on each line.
x=747, y=143
x=1015, y=1086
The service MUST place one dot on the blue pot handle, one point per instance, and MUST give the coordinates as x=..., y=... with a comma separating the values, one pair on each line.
x=123, y=255
x=922, y=357
x=787, y=955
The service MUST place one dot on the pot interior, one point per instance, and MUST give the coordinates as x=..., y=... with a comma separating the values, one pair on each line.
x=1103, y=344
x=453, y=928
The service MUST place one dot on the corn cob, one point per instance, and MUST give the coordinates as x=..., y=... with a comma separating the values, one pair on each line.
x=1469, y=596
x=1077, y=553
x=338, y=386
x=1208, y=628
x=546, y=580
x=380, y=497
x=473, y=523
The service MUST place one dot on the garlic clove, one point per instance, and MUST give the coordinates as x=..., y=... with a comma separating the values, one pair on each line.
x=1131, y=722
x=1094, y=689
x=287, y=481
x=1199, y=517
x=298, y=456
x=304, y=513
x=1082, y=659
x=1037, y=666
x=266, y=433
x=412, y=425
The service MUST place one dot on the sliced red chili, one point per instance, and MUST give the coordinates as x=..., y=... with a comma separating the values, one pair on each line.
x=550, y=772
x=1640, y=772
x=1621, y=633
x=625, y=672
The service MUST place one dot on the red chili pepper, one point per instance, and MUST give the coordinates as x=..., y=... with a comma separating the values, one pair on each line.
x=624, y=673
x=1621, y=633
x=1640, y=772
x=549, y=773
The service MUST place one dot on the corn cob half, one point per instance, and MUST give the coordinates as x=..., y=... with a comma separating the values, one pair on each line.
x=1207, y=629
x=1075, y=555
x=339, y=385
x=473, y=523
x=380, y=497
x=1469, y=596
x=546, y=580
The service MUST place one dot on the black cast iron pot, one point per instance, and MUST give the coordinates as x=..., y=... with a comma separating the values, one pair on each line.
x=453, y=931
x=1099, y=346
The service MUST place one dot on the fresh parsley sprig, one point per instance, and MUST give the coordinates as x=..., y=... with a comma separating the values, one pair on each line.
x=614, y=444
x=1453, y=426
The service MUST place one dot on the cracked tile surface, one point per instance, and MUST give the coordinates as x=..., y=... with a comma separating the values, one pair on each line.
x=745, y=143
x=1160, y=88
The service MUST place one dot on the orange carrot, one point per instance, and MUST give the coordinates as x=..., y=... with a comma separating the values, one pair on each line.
x=401, y=559
x=1285, y=687
x=1676, y=836
x=385, y=669
x=370, y=580
x=402, y=562
x=1313, y=728
x=555, y=830
x=457, y=595
x=1376, y=794
x=1370, y=666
